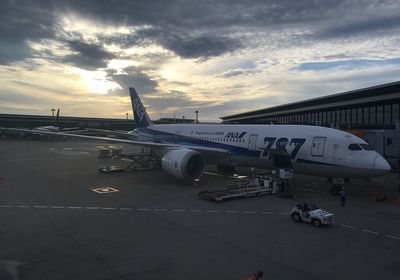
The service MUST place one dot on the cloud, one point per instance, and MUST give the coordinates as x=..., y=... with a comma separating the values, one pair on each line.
x=132, y=77
x=358, y=28
x=87, y=56
x=21, y=21
x=204, y=46
x=238, y=72
x=214, y=56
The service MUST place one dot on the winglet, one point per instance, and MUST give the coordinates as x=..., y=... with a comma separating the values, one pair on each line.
x=139, y=112
x=57, y=118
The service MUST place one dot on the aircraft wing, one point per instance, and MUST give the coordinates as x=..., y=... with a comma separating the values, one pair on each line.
x=116, y=132
x=207, y=150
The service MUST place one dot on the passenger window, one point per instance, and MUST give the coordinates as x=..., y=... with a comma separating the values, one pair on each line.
x=366, y=147
x=354, y=147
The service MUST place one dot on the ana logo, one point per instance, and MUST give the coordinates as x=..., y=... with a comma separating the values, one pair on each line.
x=237, y=135
x=139, y=109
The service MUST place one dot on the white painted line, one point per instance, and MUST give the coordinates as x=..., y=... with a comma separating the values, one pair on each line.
x=393, y=237
x=309, y=190
x=213, y=211
x=23, y=206
x=57, y=207
x=249, y=212
x=75, y=207
x=195, y=210
x=369, y=231
x=108, y=208
x=267, y=212
x=92, y=208
x=126, y=209
x=351, y=227
x=39, y=206
x=7, y=206
x=160, y=210
x=231, y=211
x=178, y=210
x=284, y=213
x=142, y=209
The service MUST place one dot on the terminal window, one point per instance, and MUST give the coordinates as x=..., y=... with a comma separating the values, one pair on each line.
x=395, y=113
x=372, y=115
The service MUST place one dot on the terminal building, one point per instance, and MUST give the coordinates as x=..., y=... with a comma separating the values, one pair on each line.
x=371, y=113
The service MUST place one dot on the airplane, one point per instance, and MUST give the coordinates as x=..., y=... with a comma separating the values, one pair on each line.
x=50, y=128
x=185, y=149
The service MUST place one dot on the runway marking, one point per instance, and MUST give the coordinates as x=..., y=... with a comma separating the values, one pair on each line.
x=126, y=209
x=309, y=190
x=370, y=231
x=391, y=236
x=185, y=210
x=348, y=226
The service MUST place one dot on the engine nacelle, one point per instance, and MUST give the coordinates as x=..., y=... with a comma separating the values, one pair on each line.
x=184, y=164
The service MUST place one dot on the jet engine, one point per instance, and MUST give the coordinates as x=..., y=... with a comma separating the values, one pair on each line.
x=184, y=164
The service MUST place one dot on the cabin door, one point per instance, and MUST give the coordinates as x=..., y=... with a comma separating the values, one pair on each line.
x=318, y=146
x=253, y=141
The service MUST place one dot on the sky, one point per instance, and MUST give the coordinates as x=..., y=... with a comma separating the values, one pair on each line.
x=217, y=57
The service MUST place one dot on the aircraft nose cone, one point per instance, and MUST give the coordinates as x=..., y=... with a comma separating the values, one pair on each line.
x=381, y=165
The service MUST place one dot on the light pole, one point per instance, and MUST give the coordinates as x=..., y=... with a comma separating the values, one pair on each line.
x=197, y=116
x=127, y=115
x=52, y=112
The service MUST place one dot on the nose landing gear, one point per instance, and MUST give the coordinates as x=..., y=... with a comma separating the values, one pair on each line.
x=337, y=185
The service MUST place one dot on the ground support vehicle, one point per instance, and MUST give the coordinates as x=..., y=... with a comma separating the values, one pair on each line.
x=316, y=216
x=241, y=187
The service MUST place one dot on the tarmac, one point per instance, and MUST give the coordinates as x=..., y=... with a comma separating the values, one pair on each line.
x=53, y=225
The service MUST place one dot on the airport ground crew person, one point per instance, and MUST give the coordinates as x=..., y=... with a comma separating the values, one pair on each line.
x=342, y=195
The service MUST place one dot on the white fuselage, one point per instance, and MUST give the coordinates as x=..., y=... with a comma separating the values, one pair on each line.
x=313, y=150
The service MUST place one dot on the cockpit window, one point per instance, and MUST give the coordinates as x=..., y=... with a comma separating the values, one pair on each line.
x=354, y=147
x=366, y=147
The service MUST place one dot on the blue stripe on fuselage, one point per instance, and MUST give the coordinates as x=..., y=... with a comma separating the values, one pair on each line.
x=167, y=137
x=301, y=160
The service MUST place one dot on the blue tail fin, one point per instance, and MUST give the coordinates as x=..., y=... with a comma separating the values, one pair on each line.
x=139, y=112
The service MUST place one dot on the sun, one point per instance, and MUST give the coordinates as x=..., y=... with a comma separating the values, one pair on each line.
x=96, y=81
